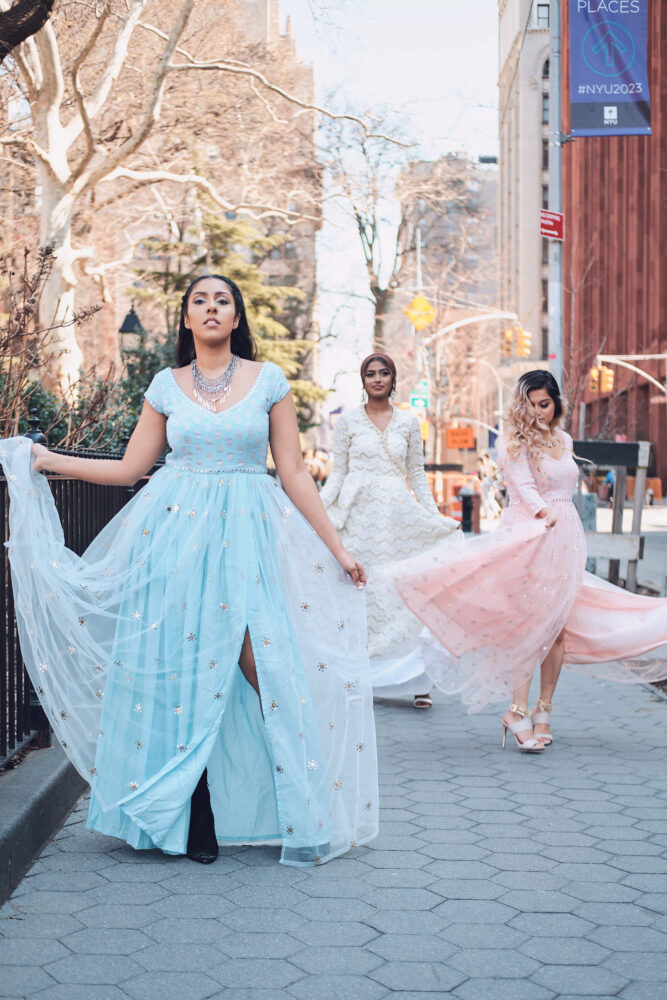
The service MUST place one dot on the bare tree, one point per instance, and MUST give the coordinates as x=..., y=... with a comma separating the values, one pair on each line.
x=97, y=82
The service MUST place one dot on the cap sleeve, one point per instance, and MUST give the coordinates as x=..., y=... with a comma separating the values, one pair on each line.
x=278, y=385
x=155, y=393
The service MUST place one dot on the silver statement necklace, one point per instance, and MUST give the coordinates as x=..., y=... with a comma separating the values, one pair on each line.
x=212, y=391
x=552, y=443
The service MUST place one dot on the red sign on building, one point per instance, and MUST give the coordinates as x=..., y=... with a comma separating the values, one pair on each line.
x=552, y=225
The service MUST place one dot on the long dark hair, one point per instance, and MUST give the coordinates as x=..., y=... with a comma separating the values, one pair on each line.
x=242, y=343
x=539, y=378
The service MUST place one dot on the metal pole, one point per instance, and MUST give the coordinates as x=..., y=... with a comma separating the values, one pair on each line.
x=418, y=241
x=555, y=198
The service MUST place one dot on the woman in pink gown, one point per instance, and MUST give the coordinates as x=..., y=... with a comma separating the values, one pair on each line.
x=520, y=596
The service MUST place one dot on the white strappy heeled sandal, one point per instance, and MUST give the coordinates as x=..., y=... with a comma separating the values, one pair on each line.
x=527, y=746
x=541, y=717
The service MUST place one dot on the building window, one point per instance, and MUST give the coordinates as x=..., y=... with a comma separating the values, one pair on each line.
x=545, y=196
x=290, y=251
x=276, y=253
x=545, y=109
x=545, y=295
x=545, y=70
x=545, y=252
x=545, y=343
x=542, y=17
x=545, y=154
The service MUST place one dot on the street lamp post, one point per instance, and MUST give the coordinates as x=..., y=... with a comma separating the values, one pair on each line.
x=131, y=332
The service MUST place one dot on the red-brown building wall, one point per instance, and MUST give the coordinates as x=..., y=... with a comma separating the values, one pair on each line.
x=614, y=259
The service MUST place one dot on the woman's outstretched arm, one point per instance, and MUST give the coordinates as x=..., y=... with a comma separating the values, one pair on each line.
x=298, y=483
x=143, y=450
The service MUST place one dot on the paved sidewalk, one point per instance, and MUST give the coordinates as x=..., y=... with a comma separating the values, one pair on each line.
x=497, y=876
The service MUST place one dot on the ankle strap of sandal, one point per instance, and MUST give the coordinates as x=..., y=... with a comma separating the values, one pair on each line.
x=521, y=710
x=544, y=706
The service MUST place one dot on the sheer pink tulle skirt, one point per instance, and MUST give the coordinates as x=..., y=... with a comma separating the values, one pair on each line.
x=495, y=605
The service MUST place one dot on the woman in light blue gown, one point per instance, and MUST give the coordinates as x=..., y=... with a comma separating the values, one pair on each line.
x=204, y=662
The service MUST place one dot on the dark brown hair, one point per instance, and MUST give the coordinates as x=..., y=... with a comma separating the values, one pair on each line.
x=242, y=343
x=386, y=360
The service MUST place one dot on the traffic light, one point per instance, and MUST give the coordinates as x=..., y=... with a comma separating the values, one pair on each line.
x=594, y=380
x=508, y=340
x=606, y=379
x=523, y=342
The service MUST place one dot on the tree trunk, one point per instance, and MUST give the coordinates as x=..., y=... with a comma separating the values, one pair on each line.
x=57, y=302
x=382, y=298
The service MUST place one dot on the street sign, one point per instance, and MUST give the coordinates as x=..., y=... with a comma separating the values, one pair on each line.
x=420, y=398
x=460, y=437
x=552, y=225
x=420, y=312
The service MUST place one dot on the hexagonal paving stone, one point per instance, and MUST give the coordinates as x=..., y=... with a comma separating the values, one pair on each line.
x=95, y=941
x=180, y=957
x=412, y=947
x=329, y=960
x=401, y=922
x=22, y=981
x=418, y=975
x=186, y=931
x=193, y=905
x=93, y=969
x=502, y=989
x=401, y=898
x=552, y=925
x=259, y=972
x=266, y=919
x=335, y=909
x=584, y=980
x=643, y=991
x=336, y=988
x=170, y=986
x=484, y=936
x=625, y=938
x=473, y=911
x=260, y=944
x=649, y=966
x=568, y=951
x=493, y=963
x=116, y=915
x=23, y=951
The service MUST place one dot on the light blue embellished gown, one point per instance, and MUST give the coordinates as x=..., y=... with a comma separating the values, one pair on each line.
x=134, y=646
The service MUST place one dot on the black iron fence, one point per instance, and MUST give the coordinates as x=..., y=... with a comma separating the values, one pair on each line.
x=84, y=508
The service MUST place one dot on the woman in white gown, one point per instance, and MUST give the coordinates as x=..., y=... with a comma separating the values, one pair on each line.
x=380, y=503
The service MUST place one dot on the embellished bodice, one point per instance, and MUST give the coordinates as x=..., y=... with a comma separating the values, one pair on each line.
x=234, y=440
x=538, y=484
x=364, y=453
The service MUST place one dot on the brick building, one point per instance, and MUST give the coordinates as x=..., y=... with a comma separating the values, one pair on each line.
x=615, y=204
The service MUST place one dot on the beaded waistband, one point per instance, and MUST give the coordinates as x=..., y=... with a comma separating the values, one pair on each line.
x=220, y=470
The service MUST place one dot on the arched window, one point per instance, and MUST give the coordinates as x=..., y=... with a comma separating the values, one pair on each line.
x=545, y=70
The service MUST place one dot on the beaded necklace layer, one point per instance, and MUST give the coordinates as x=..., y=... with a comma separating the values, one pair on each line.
x=209, y=392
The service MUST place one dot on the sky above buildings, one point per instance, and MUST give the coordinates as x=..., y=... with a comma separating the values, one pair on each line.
x=432, y=62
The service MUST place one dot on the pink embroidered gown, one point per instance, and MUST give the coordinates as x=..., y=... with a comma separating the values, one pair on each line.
x=497, y=605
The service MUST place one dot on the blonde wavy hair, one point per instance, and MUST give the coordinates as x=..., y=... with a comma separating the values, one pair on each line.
x=522, y=427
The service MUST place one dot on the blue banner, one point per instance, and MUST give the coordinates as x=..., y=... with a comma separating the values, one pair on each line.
x=608, y=79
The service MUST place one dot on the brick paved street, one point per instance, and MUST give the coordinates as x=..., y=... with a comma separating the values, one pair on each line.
x=496, y=876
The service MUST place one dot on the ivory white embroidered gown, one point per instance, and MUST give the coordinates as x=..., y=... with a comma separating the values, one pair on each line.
x=381, y=519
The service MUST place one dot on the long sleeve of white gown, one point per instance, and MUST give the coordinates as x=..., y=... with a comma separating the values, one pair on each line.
x=415, y=468
x=333, y=485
